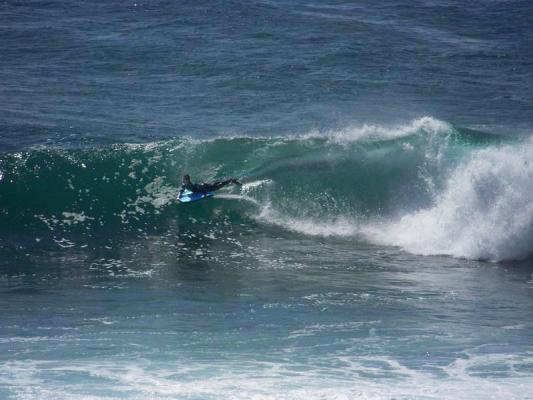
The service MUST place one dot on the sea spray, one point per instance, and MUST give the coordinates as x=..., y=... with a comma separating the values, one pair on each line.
x=484, y=212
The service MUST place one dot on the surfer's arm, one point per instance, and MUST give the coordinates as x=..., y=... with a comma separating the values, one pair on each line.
x=192, y=188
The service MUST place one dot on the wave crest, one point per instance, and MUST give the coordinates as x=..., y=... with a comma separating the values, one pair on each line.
x=434, y=188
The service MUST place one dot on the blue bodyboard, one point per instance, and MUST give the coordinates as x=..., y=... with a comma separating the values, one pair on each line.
x=187, y=196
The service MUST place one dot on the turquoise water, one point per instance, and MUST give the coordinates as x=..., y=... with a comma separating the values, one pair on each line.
x=380, y=247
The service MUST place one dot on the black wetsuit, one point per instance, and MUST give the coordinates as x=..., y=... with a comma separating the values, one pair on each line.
x=206, y=187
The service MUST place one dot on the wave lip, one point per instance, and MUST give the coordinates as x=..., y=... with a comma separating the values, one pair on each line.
x=426, y=125
x=485, y=211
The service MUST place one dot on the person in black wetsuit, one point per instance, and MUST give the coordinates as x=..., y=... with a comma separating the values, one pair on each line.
x=186, y=184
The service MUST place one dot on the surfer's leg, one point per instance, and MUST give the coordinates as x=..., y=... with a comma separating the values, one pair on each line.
x=210, y=187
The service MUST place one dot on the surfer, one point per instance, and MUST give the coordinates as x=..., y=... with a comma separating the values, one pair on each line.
x=186, y=184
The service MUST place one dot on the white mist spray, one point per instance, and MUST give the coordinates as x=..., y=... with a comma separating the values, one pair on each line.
x=484, y=212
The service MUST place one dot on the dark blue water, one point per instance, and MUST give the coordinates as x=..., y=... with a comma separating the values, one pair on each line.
x=381, y=246
x=102, y=72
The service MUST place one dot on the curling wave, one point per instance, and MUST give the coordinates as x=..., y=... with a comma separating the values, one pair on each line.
x=484, y=212
x=427, y=187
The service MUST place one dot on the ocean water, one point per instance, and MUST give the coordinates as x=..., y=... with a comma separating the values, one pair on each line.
x=381, y=246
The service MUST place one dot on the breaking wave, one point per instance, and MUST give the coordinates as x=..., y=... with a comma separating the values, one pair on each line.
x=427, y=187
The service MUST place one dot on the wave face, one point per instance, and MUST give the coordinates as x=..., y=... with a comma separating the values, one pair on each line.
x=427, y=187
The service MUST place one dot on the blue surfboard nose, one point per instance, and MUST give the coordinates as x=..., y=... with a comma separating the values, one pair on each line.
x=187, y=196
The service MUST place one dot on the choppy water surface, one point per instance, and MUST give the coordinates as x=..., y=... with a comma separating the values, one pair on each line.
x=380, y=247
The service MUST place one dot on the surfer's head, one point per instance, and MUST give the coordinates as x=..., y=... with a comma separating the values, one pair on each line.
x=186, y=180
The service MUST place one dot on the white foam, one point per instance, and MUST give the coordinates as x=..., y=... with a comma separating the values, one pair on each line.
x=427, y=125
x=71, y=218
x=249, y=186
x=157, y=194
x=338, y=226
x=336, y=377
x=484, y=212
